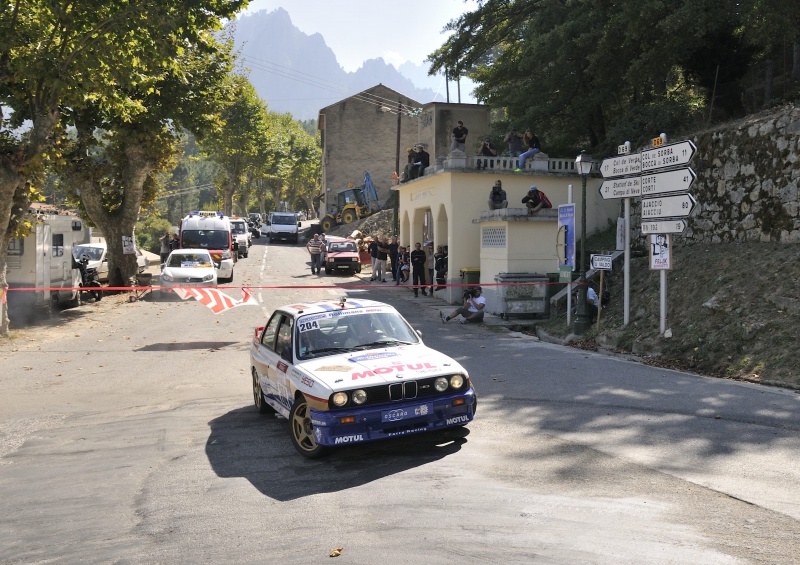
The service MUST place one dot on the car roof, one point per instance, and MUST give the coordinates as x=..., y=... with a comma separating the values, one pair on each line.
x=190, y=251
x=325, y=306
x=97, y=244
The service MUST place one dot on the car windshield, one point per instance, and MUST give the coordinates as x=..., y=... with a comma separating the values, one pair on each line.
x=342, y=247
x=319, y=335
x=205, y=239
x=238, y=227
x=93, y=253
x=194, y=260
x=284, y=219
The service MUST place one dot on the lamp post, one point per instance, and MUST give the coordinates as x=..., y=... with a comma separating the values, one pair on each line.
x=582, y=320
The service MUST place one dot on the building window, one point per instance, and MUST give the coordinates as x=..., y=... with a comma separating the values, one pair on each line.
x=58, y=245
x=493, y=237
x=16, y=247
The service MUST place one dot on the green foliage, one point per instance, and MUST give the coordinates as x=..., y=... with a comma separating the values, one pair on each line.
x=149, y=232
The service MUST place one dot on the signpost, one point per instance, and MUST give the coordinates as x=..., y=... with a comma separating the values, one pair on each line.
x=665, y=156
x=679, y=180
x=621, y=188
x=677, y=206
x=621, y=165
x=663, y=226
x=600, y=262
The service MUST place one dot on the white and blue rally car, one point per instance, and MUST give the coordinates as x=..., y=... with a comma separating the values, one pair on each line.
x=352, y=371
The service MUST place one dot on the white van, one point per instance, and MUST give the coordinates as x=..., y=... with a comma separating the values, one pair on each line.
x=283, y=225
x=212, y=231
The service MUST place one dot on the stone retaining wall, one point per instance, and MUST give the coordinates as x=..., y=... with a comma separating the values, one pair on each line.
x=747, y=182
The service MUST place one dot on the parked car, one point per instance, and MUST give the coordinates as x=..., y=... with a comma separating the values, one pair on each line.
x=342, y=257
x=301, y=216
x=97, y=253
x=353, y=371
x=188, y=267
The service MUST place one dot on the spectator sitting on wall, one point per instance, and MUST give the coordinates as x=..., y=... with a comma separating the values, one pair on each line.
x=497, y=196
x=535, y=200
x=459, y=137
x=422, y=162
x=487, y=149
x=412, y=156
x=533, y=148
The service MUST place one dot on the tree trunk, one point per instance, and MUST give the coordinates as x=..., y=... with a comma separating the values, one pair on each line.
x=769, y=76
x=9, y=182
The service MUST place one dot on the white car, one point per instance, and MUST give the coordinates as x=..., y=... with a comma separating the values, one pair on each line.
x=241, y=233
x=188, y=267
x=97, y=253
x=353, y=371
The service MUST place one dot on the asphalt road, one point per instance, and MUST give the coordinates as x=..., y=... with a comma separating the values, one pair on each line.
x=128, y=435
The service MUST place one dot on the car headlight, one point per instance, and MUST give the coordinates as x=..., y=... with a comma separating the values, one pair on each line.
x=440, y=384
x=339, y=399
x=456, y=381
x=359, y=396
x=330, y=259
x=226, y=254
x=208, y=278
x=167, y=277
x=354, y=258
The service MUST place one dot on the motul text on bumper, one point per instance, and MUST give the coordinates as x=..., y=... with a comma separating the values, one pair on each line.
x=384, y=421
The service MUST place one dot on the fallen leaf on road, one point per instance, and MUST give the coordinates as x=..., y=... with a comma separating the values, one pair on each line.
x=336, y=552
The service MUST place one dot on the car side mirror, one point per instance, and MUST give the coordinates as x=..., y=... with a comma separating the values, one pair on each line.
x=419, y=332
x=298, y=224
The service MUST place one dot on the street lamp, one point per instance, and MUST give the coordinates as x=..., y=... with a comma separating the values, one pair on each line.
x=583, y=321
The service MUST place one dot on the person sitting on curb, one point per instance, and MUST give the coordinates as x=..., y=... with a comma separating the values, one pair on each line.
x=472, y=309
x=535, y=200
x=497, y=196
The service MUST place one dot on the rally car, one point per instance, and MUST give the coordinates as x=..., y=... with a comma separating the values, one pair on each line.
x=352, y=371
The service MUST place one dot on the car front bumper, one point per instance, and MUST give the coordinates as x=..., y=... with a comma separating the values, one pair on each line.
x=390, y=420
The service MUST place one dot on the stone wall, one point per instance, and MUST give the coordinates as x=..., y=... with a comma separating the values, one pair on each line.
x=747, y=182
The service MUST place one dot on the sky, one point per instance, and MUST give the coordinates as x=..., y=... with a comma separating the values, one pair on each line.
x=358, y=30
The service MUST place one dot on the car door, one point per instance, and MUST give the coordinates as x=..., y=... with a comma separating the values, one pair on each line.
x=265, y=361
x=283, y=351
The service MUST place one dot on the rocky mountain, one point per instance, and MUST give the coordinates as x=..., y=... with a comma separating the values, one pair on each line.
x=298, y=73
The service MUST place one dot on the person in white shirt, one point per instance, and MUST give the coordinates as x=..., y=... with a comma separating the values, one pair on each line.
x=472, y=309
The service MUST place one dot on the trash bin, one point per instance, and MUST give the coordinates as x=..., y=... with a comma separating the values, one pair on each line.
x=471, y=275
x=522, y=300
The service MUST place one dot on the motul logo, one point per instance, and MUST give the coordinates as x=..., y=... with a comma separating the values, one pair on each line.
x=457, y=420
x=385, y=370
x=348, y=439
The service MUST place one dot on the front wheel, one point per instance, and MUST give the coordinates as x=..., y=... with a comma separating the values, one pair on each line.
x=348, y=217
x=302, y=431
x=327, y=224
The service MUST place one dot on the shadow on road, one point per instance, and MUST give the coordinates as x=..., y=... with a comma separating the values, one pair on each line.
x=244, y=444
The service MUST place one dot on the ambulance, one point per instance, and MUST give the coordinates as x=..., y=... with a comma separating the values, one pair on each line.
x=212, y=231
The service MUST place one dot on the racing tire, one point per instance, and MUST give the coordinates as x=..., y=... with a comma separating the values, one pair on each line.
x=258, y=396
x=301, y=431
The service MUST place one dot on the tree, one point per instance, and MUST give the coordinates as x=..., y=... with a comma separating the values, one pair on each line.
x=57, y=55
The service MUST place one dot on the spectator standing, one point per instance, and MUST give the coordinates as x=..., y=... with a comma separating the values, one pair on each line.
x=393, y=247
x=535, y=200
x=383, y=254
x=430, y=261
x=323, y=250
x=165, y=247
x=471, y=309
x=514, y=141
x=313, y=247
x=487, y=149
x=402, y=265
x=175, y=243
x=441, y=269
x=422, y=161
x=373, y=253
x=418, y=260
x=497, y=196
x=459, y=137
x=533, y=148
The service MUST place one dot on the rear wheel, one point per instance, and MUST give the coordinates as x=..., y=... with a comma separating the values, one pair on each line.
x=258, y=396
x=302, y=431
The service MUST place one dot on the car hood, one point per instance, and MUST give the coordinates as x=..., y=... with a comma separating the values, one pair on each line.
x=193, y=272
x=379, y=366
x=342, y=254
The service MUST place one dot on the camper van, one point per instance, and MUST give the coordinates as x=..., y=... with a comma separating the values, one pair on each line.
x=43, y=261
x=212, y=231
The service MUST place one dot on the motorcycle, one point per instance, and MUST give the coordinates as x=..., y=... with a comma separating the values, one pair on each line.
x=89, y=280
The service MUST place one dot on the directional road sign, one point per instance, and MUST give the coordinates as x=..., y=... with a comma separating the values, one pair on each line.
x=679, y=180
x=677, y=206
x=621, y=166
x=667, y=156
x=621, y=188
x=663, y=226
x=600, y=262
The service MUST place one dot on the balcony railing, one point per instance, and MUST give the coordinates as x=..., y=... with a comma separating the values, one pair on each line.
x=507, y=164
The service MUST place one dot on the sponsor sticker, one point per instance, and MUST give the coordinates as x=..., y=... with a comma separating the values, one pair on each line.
x=348, y=439
x=334, y=368
x=397, y=414
x=282, y=366
x=457, y=420
x=307, y=381
x=370, y=356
